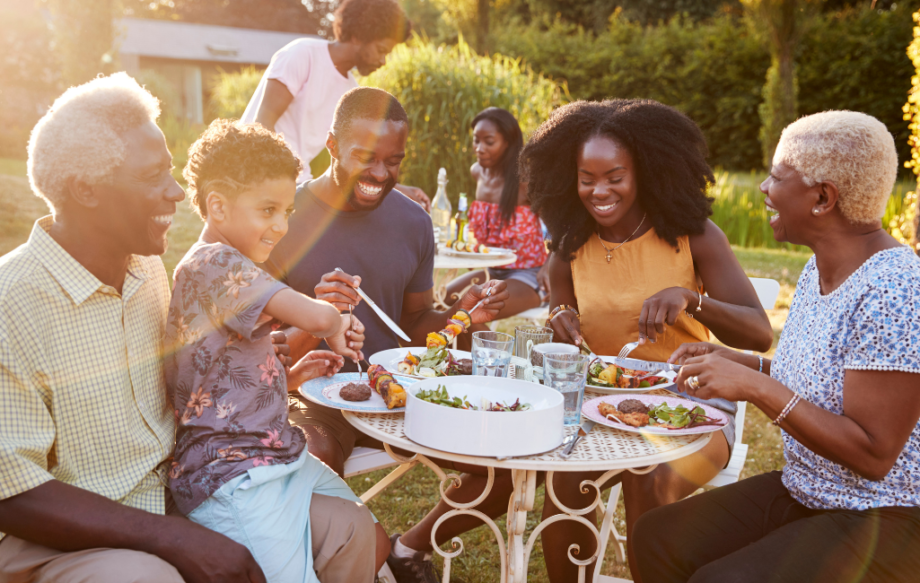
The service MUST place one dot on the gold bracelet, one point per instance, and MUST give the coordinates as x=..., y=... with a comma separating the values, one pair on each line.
x=562, y=308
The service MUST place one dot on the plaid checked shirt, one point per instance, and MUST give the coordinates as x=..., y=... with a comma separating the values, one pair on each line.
x=82, y=394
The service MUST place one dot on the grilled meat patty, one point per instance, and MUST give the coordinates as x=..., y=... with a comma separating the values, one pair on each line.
x=355, y=392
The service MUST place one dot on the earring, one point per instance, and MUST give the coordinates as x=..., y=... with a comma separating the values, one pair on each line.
x=816, y=211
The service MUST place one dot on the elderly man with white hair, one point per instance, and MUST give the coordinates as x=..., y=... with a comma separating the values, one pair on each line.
x=85, y=427
x=844, y=388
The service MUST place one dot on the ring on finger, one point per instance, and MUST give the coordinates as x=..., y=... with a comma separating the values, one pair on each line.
x=694, y=382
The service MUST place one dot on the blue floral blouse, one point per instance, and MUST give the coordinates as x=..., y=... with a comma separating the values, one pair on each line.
x=871, y=322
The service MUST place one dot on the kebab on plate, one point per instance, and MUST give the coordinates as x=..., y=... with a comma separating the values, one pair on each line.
x=437, y=360
x=394, y=395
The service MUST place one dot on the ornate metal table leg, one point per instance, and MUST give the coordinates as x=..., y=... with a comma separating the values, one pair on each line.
x=441, y=279
x=468, y=508
x=521, y=502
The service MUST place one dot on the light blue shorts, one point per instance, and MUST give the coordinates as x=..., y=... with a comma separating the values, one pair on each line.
x=267, y=510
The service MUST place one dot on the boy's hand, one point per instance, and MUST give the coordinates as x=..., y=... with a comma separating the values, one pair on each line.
x=282, y=348
x=315, y=364
x=350, y=339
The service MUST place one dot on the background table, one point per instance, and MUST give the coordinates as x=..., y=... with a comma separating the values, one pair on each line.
x=604, y=449
x=447, y=266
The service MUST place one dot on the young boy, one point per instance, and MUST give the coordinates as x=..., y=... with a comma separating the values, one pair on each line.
x=239, y=467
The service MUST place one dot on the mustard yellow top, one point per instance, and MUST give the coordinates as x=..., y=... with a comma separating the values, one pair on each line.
x=610, y=295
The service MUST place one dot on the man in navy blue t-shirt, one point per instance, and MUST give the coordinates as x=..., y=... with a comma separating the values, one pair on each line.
x=346, y=219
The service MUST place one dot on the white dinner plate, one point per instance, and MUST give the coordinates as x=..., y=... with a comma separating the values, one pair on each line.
x=618, y=391
x=389, y=359
x=325, y=391
x=589, y=410
x=493, y=252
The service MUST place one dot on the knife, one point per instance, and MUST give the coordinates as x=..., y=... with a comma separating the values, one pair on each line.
x=386, y=319
x=586, y=426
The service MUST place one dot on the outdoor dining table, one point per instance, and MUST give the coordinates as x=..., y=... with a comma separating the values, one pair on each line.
x=604, y=449
x=447, y=266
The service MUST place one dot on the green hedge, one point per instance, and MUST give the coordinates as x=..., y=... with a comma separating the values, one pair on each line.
x=714, y=71
x=442, y=89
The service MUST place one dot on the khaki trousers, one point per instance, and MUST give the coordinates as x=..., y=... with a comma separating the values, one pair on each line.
x=343, y=537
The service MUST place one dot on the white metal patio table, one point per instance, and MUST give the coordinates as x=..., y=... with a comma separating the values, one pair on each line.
x=604, y=449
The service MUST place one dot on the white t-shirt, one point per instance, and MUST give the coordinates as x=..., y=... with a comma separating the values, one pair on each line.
x=306, y=69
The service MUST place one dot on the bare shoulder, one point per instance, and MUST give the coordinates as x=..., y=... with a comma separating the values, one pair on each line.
x=711, y=241
x=475, y=170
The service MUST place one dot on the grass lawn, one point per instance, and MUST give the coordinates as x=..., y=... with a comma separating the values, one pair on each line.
x=406, y=502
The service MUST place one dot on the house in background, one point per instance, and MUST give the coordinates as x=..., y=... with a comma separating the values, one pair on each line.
x=191, y=56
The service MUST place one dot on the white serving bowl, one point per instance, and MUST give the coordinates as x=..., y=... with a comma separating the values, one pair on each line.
x=486, y=433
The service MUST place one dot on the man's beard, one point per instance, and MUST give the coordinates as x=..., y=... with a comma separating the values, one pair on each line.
x=342, y=180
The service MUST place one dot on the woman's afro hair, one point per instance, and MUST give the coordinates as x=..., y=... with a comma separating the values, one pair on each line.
x=669, y=158
x=231, y=156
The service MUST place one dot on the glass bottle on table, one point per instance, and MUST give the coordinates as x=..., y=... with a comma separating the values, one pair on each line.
x=441, y=209
x=461, y=221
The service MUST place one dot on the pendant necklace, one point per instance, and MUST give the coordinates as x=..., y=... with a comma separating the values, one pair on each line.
x=610, y=251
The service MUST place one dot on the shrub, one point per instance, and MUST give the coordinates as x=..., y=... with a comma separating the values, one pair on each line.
x=442, y=89
x=161, y=88
x=856, y=60
x=231, y=92
x=714, y=71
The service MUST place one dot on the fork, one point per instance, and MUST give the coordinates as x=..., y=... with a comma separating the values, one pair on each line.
x=624, y=352
x=351, y=325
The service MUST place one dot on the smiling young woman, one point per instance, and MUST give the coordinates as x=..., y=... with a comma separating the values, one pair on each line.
x=501, y=215
x=622, y=186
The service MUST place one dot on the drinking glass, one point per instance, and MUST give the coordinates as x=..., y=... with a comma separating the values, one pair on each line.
x=491, y=353
x=526, y=337
x=567, y=374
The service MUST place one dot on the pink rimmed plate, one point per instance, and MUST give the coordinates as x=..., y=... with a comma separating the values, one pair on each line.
x=589, y=410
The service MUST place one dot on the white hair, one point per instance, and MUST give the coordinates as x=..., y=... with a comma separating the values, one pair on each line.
x=80, y=136
x=853, y=150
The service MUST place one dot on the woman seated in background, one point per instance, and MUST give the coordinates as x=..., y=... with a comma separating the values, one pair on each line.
x=622, y=186
x=501, y=216
x=844, y=386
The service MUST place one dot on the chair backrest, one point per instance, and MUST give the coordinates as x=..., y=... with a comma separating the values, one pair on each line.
x=767, y=291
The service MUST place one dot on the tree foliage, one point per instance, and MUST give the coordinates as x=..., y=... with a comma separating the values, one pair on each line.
x=84, y=37
x=905, y=227
x=714, y=71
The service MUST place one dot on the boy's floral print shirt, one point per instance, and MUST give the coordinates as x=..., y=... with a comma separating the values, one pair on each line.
x=226, y=384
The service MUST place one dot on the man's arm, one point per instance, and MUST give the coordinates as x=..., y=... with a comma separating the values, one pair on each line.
x=275, y=102
x=67, y=518
x=419, y=318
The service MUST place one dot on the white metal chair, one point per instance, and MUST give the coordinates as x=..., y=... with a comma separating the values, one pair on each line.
x=364, y=460
x=767, y=292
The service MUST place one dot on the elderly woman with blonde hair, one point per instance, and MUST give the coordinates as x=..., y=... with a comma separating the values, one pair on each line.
x=844, y=388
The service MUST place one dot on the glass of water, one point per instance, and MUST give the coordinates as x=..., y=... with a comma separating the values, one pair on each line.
x=491, y=353
x=567, y=374
x=526, y=337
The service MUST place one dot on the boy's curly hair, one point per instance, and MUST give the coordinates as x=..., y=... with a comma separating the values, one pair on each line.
x=669, y=157
x=232, y=156
x=370, y=20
